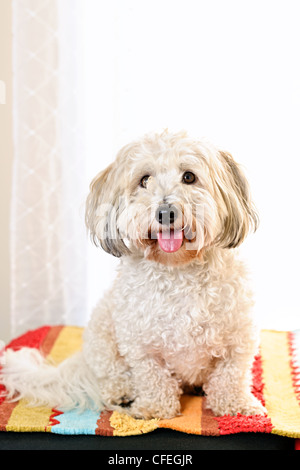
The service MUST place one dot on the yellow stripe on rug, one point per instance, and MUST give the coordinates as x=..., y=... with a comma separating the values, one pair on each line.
x=68, y=342
x=124, y=425
x=28, y=418
x=281, y=402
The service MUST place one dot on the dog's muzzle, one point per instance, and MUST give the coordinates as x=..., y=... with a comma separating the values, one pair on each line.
x=169, y=240
x=166, y=214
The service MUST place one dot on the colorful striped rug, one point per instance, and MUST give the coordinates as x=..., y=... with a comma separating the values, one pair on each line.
x=276, y=382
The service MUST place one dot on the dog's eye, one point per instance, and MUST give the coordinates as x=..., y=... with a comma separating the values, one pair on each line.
x=188, y=177
x=144, y=181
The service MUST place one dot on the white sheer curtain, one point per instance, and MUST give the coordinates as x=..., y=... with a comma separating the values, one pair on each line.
x=48, y=239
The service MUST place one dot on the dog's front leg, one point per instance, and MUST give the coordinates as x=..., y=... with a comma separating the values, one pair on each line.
x=157, y=392
x=228, y=388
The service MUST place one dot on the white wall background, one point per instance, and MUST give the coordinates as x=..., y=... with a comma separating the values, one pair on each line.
x=227, y=70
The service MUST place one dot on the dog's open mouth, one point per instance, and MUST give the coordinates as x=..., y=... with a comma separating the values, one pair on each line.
x=170, y=241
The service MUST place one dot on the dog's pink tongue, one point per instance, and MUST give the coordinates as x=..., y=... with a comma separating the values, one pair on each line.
x=170, y=241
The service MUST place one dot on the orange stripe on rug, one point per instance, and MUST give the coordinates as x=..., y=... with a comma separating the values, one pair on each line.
x=190, y=419
x=209, y=424
x=279, y=393
x=104, y=427
x=6, y=410
x=50, y=339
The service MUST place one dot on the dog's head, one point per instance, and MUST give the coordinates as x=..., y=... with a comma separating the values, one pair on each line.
x=169, y=197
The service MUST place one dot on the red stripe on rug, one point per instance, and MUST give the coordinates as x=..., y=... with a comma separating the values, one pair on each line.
x=104, y=427
x=295, y=370
x=257, y=382
x=31, y=339
x=241, y=423
x=52, y=419
x=209, y=424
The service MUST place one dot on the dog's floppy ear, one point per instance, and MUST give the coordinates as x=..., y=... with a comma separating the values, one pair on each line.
x=241, y=216
x=102, y=212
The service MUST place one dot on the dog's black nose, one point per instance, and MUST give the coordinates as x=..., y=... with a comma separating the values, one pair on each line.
x=166, y=214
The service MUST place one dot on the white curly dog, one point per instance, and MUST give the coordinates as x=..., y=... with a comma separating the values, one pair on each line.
x=178, y=315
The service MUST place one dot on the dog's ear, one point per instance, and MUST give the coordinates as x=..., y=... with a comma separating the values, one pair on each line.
x=102, y=212
x=241, y=216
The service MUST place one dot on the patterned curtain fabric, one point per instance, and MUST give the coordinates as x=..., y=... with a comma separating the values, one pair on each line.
x=48, y=237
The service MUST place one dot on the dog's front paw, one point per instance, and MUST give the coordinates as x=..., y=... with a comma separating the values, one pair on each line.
x=246, y=405
x=252, y=407
x=143, y=409
x=116, y=392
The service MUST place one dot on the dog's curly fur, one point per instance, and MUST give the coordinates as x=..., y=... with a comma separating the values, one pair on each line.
x=178, y=314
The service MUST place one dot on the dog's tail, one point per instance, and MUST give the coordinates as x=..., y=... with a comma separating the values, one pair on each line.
x=27, y=374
